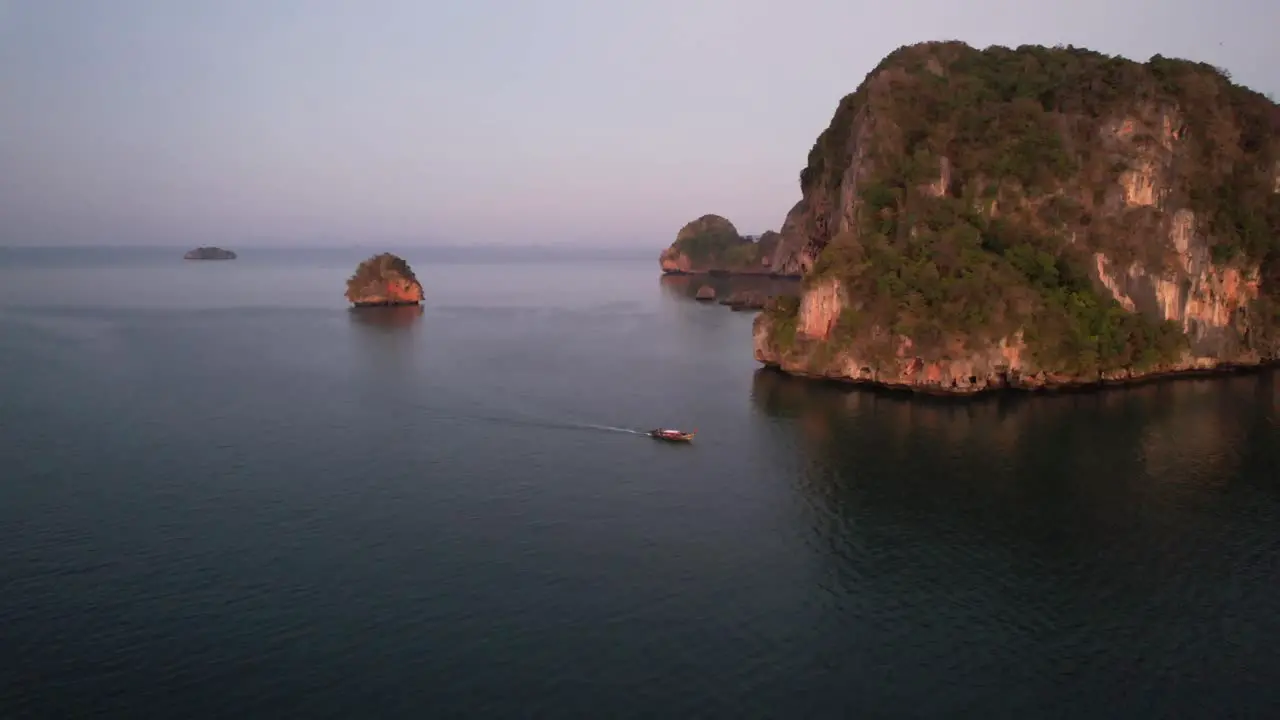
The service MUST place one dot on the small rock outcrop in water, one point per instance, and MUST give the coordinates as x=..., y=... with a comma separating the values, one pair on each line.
x=706, y=293
x=711, y=244
x=383, y=280
x=209, y=253
x=1098, y=221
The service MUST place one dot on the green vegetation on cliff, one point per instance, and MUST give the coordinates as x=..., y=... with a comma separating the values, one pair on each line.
x=718, y=251
x=987, y=180
x=712, y=243
x=782, y=312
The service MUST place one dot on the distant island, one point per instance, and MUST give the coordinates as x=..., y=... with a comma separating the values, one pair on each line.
x=383, y=280
x=712, y=245
x=1031, y=218
x=209, y=253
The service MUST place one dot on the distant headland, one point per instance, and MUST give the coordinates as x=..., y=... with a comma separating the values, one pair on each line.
x=712, y=245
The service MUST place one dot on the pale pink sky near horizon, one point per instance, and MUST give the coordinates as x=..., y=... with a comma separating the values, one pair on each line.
x=277, y=122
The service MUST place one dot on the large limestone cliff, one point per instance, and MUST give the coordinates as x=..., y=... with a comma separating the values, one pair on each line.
x=711, y=244
x=1098, y=220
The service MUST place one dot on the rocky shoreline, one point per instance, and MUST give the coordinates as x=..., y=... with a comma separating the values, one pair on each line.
x=996, y=370
x=1055, y=387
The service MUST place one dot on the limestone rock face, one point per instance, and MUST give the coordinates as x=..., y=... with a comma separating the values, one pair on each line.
x=383, y=280
x=674, y=261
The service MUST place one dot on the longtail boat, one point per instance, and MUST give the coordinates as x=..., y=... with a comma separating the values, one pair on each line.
x=672, y=435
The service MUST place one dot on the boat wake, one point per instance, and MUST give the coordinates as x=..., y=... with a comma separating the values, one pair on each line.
x=613, y=429
x=547, y=424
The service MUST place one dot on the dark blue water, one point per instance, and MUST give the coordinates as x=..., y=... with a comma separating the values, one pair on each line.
x=224, y=494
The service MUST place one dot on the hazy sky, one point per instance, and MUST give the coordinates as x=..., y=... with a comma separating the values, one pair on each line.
x=532, y=121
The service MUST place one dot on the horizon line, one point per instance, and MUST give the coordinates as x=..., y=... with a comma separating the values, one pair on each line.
x=342, y=246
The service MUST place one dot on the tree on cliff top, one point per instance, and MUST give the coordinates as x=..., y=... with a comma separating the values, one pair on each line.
x=1035, y=142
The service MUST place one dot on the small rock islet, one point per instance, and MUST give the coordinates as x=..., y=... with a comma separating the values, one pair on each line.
x=209, y=253
x=383, y=280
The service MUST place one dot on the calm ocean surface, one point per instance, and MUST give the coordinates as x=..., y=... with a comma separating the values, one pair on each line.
x=223, y=494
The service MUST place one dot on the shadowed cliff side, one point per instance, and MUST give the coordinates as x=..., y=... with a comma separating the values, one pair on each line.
x=1033, y=218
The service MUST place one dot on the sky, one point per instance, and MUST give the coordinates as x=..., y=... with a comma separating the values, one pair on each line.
x=609, y=122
